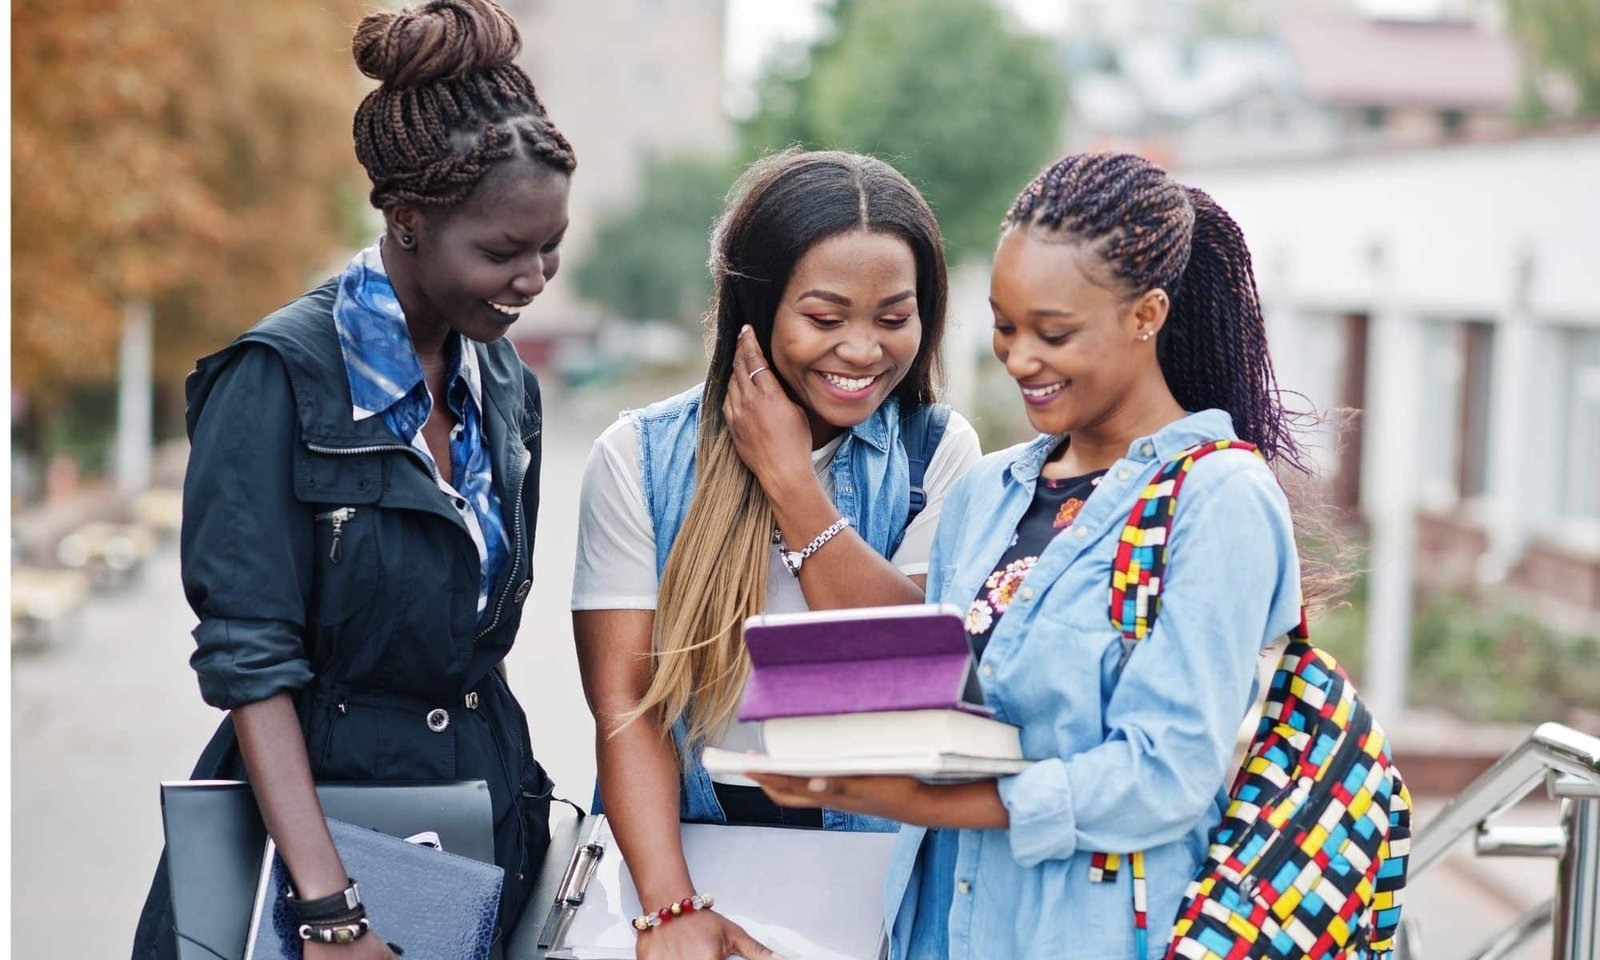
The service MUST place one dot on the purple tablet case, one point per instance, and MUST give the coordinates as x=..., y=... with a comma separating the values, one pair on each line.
x=860, y=661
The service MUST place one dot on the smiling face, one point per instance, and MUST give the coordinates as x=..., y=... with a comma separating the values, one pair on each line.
x=476, y=265
x=1077, y=347
x=847, y=329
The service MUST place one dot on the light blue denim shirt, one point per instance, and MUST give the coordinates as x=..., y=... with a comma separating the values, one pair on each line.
x=871, y=488
x=1130, y=762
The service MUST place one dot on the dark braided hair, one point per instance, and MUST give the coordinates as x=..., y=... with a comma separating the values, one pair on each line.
x=453, y=102
x=1152, y=231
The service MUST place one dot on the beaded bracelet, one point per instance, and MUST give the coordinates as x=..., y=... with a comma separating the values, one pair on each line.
x=700, y=901
x=335, y=933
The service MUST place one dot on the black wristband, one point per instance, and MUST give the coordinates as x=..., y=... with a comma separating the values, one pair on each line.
x=324, y=909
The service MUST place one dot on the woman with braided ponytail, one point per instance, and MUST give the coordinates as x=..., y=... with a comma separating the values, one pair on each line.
x=1126, y=311
x=364, y=478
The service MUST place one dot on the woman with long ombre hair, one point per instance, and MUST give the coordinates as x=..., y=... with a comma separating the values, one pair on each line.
x=814, y=433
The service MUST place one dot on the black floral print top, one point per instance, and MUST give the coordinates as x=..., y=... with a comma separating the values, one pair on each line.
x=1055, y=505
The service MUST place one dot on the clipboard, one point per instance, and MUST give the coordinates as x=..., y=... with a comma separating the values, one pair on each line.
x=812, y=894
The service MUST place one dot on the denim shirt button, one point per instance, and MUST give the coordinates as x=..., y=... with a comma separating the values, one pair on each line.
x=964, y=887
x=1081, y=532
x=987, y=669
x=1147, y=450
x=1123, y=474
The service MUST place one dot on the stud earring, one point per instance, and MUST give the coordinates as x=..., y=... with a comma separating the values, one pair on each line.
x=1144, y=336
x=407, y=241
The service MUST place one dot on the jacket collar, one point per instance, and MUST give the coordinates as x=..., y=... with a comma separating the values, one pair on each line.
x=874, y=431
x=380, y=361
x=303, y=335
x=1159, y=447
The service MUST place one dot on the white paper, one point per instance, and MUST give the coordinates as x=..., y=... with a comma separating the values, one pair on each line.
x=806, y=894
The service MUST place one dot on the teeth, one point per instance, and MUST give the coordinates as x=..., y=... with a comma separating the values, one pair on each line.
x=1041, y=392
x=503, y=309
x=848, y=384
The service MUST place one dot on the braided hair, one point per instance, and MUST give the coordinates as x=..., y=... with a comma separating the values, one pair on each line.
x=452, y=104
x=1151, y=231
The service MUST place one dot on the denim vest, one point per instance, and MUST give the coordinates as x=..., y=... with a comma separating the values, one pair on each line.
x=871, y=487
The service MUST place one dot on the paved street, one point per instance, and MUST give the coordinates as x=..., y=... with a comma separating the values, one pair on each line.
x=99, y=722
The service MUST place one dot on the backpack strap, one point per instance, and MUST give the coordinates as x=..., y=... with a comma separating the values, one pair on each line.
x=1137, y=574
x=921, y=430
x=1140, y=566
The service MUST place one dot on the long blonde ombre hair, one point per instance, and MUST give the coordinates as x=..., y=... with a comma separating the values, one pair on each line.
x=716, y=571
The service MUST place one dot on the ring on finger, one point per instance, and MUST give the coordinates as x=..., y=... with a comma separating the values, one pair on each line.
x=756, y=371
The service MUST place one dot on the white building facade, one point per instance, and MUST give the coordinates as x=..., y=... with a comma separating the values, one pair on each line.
x=1452, y=295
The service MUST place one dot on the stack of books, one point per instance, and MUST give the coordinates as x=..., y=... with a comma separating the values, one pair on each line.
x=879, y=690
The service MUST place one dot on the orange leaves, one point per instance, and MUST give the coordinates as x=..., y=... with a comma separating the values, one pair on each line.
x=187, y=154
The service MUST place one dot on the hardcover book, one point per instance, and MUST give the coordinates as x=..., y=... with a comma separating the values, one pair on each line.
x=929, y=767
x=889, y=733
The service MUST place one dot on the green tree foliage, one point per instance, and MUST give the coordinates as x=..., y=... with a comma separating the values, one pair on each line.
x=943, y=89
x=648, y=261
x=1563, y=36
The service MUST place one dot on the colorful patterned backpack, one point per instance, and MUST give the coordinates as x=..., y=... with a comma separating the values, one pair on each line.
x=1310, y=858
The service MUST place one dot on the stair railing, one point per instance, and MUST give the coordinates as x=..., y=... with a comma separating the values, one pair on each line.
x=1567, y=762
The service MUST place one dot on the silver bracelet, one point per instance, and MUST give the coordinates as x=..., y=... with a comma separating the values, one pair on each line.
x=792, y=559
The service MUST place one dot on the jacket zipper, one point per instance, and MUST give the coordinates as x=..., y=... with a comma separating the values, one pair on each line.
x=1282, y=846
x=338, y=518
x=516, y=551
x=350, y=451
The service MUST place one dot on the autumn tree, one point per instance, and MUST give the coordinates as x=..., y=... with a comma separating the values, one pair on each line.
x=196, y=157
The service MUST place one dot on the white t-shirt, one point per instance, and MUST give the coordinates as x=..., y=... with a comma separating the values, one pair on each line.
x=616, y=564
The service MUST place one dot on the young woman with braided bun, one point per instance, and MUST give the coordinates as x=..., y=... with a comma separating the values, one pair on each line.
x=1126, y=311
x=363, y=484
x=827, y=312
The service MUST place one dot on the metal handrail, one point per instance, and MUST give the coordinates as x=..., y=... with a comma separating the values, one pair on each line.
x=1551, y=746
x=1569, y=762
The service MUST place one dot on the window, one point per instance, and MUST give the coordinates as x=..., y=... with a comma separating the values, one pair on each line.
x=1578, y=406
x=1352, y=398
x=1472, y=452
x=1438, y=440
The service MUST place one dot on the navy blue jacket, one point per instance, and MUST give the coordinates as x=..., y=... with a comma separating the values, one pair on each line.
x=380, y=635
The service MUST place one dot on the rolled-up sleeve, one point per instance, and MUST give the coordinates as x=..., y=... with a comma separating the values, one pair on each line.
x=1231, y=587
x=247, y=540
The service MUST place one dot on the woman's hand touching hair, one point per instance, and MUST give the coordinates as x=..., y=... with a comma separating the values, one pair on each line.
x=770, y=431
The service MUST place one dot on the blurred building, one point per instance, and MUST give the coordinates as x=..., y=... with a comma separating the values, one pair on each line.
x=1317, y=81
x=1449, y=293
x=625, y=80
